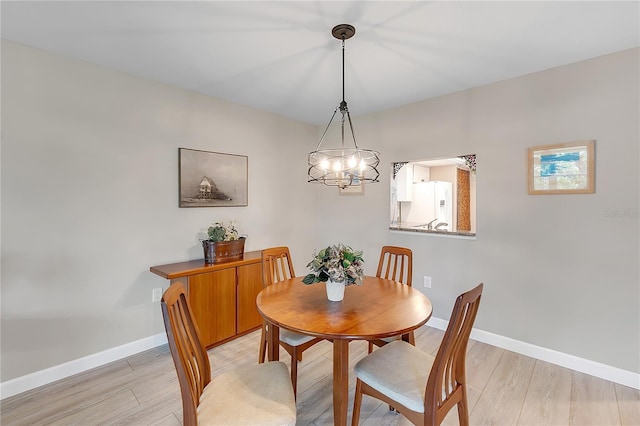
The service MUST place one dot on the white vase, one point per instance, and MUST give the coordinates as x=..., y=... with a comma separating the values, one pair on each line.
x=335, y=291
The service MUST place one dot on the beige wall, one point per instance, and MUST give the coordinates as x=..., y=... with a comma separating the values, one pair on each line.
x=89, y=202
x=560, y=271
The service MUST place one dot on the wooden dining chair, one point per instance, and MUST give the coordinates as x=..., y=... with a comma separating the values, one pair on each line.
x=277, y=266
x=250, y=394
x=396, y=264
x=425, y=388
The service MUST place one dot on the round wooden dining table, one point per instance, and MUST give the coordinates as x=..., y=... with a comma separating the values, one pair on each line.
x=378, y=308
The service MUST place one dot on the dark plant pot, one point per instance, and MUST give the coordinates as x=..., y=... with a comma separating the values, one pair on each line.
x=223, y=251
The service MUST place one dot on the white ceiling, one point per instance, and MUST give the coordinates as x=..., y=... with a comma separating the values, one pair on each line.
x=281, y=57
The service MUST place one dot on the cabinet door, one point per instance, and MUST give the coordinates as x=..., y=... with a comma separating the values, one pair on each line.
x=212, y=297
x=249, y=285
x=404, y=182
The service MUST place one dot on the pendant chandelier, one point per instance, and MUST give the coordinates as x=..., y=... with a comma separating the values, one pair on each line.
x=344, y=166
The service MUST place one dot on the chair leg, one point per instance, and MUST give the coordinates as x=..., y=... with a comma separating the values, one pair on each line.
x=294, y=370
x=370, y=347
x=412, y=339
x=409, y=338
x=263, y=345
x=357, y=402
x=463, y=410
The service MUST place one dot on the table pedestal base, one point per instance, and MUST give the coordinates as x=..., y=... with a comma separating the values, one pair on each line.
x=340, y=381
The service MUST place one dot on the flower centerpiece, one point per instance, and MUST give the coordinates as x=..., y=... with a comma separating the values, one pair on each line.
x=224, y=243
x=337, y=265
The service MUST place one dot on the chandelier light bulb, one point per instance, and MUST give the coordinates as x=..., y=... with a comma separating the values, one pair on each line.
x=324, y=164
x=337, y=166
x=352, y=162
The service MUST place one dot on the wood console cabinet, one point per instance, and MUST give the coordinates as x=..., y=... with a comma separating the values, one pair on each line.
x=222, y=296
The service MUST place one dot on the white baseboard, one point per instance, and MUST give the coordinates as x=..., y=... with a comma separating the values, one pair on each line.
x=50, y=375
x=596, y=369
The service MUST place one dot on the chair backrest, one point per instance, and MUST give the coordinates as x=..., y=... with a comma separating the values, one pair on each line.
x=446, y=383
x=276, y=265
x=189, y=356
x=396, y=263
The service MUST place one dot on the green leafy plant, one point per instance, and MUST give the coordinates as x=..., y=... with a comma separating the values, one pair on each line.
x=220, y=231
x=338, y=263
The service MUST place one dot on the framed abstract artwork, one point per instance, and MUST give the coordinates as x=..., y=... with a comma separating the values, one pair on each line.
x=566, y=168
x=212, y=179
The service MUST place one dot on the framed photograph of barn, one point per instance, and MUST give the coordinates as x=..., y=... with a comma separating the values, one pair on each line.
x=212, y=179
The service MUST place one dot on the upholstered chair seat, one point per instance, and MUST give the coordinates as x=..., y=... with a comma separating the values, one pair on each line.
x=249, y=395
x=398, y=370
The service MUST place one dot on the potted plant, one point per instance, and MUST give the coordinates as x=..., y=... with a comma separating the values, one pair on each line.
x=224, y=243
x=338, y=265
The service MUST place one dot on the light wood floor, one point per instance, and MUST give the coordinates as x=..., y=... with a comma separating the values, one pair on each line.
x=504, y=389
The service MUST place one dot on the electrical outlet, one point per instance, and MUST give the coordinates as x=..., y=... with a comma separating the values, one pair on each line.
x=156, y=295
x=427, y=282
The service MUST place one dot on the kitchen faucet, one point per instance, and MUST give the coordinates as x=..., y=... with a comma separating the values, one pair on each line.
x=441, y=224
x=429, y=224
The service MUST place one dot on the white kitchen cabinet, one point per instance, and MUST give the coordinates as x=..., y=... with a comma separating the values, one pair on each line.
x=404, y=183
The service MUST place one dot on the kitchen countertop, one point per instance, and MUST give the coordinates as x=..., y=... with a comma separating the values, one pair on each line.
x=409, y=227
